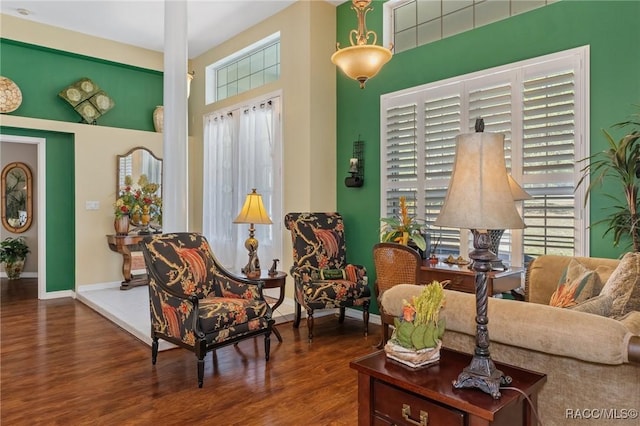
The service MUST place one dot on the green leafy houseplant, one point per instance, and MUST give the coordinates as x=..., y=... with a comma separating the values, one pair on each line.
x=403, y=228
x=13, y=249
x=621, y=163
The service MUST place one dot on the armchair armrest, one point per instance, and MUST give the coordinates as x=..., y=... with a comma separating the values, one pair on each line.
x=229, y=285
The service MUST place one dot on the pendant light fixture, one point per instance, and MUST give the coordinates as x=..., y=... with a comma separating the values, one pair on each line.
x=361, y=61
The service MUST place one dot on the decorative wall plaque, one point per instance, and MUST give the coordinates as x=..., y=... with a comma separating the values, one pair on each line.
x=87, y=99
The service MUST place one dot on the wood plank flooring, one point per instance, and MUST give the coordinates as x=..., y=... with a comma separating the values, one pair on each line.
x=61, y=363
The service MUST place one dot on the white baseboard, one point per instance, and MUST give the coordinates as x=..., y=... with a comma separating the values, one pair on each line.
x=3, y=274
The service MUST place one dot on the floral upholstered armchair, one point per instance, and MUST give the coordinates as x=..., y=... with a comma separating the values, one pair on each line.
x=323, y=278
x=197, y=304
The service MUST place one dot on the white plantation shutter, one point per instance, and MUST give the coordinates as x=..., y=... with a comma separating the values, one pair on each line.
x=442, y=113
x=401, y=164
x=548, y=155
x=540, y=107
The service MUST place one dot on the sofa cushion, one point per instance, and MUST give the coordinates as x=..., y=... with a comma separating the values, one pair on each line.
x=599, y=305
x=623, y=286
x=577, y=284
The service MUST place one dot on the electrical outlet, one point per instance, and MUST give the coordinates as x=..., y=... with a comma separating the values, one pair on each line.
x=92, y=205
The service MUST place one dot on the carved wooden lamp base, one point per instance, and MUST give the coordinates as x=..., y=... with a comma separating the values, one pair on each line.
x=481, y=372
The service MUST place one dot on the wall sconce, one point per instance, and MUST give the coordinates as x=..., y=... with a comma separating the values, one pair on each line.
x=361, y=61
x=356, y=166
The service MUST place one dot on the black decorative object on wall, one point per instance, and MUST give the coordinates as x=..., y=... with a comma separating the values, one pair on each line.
x=87, y=99
x=356, y=166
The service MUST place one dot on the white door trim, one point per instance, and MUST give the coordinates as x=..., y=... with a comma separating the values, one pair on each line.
x=42, y=208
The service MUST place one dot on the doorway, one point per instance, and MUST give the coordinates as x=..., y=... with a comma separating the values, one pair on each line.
x=40, y=200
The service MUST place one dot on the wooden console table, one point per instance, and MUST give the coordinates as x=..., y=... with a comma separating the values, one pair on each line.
x=125, y=244
x=390, y=393
x=463, y=279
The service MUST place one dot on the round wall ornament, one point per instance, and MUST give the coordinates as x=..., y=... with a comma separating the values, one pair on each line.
x=10, y=95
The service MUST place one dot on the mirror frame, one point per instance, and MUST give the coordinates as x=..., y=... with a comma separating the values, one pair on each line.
x=29, y=207
x=131, y=151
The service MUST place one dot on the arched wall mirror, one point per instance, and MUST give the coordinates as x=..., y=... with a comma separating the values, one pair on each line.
x=137, y=162
x=17, y=200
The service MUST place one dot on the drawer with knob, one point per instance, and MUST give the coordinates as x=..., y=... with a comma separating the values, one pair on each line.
x=394, y=406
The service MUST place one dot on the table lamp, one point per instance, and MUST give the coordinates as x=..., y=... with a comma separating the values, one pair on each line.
x=479, y=198
x=252, y=212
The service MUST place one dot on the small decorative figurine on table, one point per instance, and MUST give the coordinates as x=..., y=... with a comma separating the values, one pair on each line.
x=274, y=266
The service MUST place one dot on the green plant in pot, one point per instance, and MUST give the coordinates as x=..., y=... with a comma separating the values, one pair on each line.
x=13, y=252
x=619, y=163
x=403, y=229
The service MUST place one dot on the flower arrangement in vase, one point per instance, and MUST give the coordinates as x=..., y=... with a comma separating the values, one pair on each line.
x=416, y=339
x=403, y=228
x=139, y=202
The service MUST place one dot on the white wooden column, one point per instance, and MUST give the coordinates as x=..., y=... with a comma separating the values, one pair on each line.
x=175, y=173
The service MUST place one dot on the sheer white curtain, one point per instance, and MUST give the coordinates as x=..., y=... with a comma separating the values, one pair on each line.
x=218, y=211
x=243, y=153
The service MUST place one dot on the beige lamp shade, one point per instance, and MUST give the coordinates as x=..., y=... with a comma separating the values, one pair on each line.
x=253, y=210
x=479, y=195
x=361, y=62
x=518, y=193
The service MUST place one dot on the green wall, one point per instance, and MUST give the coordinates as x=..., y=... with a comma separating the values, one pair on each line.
x=60, y=208
x=609, y=27
x=41, y=73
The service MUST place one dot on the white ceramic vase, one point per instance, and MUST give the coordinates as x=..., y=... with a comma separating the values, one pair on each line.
x=158, y=118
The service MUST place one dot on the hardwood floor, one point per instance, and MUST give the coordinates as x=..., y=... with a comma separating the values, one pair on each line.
x=63, y=363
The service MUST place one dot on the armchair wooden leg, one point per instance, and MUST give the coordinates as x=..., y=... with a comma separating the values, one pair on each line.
x=267, y=346
x=365, y=317
x=310, y=323
x=298, y=314
x=200, y=371
x=341, y=317
x=154, y=350
x=385, y=335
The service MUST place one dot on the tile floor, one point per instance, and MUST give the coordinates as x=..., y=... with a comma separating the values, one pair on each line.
x=129, y=309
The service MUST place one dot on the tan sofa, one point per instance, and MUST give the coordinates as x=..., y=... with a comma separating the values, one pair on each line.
x=592, y=362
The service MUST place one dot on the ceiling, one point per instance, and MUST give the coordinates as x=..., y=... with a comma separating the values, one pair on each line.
x=141, y=22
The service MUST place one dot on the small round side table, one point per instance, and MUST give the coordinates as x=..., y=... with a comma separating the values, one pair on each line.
x=275, y=281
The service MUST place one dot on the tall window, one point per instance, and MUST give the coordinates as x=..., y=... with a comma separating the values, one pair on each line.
x=412, y=23
x=540, y=105
x=247, y=69
x=242, y=151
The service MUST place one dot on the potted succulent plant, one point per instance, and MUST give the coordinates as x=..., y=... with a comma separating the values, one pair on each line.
x=13, y=252
x=404, y=229
x=416, y=339
x=621, y=163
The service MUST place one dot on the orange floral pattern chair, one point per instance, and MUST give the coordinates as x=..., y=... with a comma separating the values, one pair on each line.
x=197, y=304
x=323, y=278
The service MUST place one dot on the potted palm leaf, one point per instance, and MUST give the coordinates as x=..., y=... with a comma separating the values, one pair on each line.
x=404, y=229
x=13, y=252
x=621, y=164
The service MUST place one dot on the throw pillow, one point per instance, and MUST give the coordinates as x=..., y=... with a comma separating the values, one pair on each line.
x=624, y=286
x=577, y=284
x=599, y=305
x=332, y=274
